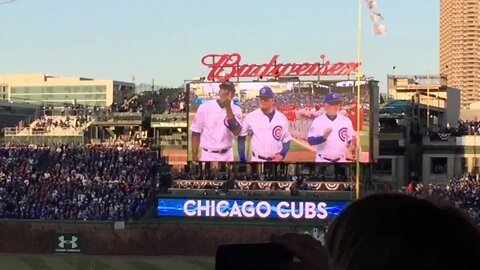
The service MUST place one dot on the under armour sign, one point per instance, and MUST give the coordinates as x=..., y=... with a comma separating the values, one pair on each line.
x=67, y=243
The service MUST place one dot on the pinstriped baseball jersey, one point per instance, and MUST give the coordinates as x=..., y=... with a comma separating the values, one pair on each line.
x=267, y=136
x=342, y=132
x=211, y=121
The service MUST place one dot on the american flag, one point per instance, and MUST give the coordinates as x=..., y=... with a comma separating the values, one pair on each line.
x=379, y=29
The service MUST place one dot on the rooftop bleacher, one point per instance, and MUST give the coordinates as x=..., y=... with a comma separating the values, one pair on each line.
x=56, y=126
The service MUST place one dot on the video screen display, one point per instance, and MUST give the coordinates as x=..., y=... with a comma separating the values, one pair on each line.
x=278, y=122
x=270, y=209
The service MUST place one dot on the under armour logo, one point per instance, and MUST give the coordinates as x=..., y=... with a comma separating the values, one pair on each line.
x=263, y=91
x=72, y=242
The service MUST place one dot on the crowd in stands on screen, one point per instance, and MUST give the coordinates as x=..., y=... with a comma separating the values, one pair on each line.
x=75, y=182
x=305, y=105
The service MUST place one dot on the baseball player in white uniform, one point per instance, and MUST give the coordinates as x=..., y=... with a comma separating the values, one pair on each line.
x=333, y=133
x=215, y=125
x=269, y=130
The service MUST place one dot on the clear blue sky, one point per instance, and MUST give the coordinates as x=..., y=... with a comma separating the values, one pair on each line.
x=165, y=40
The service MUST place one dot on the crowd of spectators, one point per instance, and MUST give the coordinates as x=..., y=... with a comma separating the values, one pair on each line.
x=69, y=109
x=95, y=182
x=46, y=123
x=463, y=128
x=131, y=104
x=116, y=182
x=464, y=193
x=467, y=128
x=176, y=104
x=168, y=100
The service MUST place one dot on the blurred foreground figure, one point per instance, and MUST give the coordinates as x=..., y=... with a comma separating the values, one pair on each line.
x=391, y=231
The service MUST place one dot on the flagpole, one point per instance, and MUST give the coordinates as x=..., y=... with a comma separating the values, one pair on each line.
x=359, y=74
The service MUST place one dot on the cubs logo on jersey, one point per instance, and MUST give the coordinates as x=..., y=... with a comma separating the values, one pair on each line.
x=277, y=132
x=343, y=134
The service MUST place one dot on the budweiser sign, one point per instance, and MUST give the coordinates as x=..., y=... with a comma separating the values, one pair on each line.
x=226, y=66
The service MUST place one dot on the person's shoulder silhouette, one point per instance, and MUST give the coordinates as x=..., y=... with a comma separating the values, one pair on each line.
x=397, y=231
x=391, y=231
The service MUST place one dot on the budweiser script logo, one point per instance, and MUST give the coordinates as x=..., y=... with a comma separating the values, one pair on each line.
x=227, y=66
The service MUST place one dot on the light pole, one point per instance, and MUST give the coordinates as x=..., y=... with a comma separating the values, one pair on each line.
x=392, y=84
x=359, y=76
x=475, y=163
x=428, y=101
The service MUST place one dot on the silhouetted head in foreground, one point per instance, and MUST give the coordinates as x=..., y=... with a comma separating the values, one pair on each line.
x=397, y=231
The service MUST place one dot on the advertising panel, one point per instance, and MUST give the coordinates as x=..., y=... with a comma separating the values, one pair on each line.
x=67, y=243
x=243, y=208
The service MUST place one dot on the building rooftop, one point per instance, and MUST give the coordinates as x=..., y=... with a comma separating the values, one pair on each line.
x=396, y=107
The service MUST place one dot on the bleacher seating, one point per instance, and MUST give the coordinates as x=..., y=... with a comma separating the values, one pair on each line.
x=57, y=126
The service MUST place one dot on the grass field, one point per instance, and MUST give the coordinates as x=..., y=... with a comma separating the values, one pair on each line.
x=80, y=262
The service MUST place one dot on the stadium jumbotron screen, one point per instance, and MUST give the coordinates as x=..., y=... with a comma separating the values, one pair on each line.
x=278, y=122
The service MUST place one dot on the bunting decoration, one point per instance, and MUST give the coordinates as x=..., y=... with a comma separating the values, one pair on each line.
x=444, y=136
x=378, y=28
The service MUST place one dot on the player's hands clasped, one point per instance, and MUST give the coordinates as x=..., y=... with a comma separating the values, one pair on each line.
x=278, y=157
x=326, y=133
x=350, y=153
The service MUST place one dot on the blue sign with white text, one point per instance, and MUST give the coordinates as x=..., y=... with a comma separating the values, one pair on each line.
x=265, y=209
x=200, y=101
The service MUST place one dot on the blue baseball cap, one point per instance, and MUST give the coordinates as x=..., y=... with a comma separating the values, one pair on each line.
x=228, y=86
x=266, y=92
x=333, y=98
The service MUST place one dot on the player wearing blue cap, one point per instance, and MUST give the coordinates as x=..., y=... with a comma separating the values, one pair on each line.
x=215, y=125
x=269, y=130
x=333, y=133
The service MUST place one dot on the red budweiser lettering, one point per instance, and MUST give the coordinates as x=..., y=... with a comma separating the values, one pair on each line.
x=227, y=66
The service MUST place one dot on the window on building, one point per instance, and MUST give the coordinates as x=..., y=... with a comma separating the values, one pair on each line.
x=439, y=165
x=476, y=164
x=383, y=166
x=100, y=88
x=464, y=165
